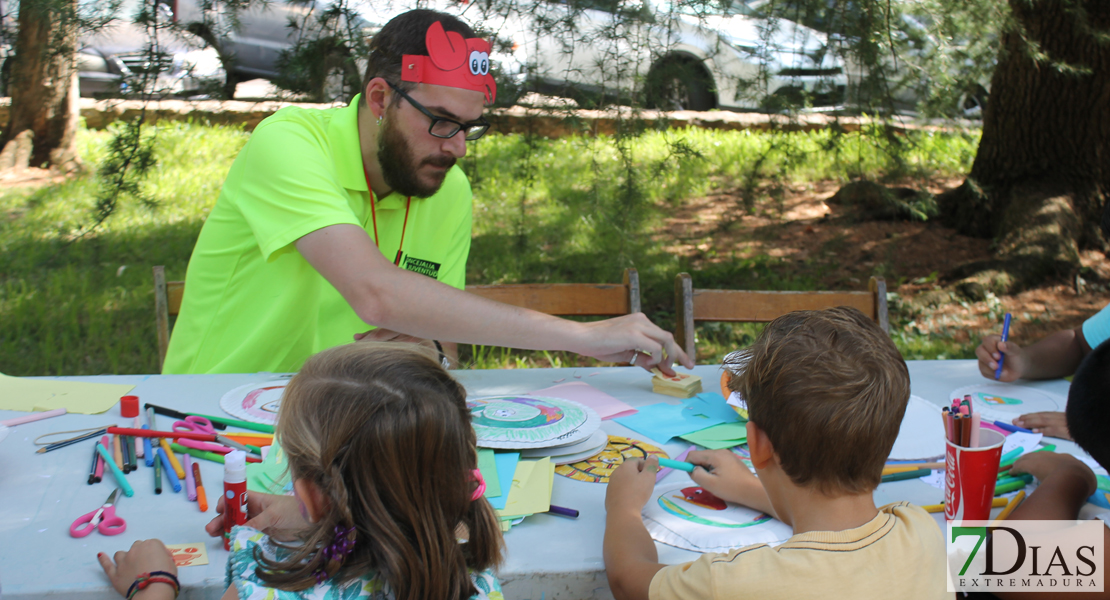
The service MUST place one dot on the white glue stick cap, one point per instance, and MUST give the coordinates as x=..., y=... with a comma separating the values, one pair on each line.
x=235, y=466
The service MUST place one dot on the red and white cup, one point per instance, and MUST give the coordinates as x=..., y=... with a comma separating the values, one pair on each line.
x=969, y=477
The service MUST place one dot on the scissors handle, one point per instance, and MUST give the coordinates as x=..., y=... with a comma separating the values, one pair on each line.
x=86, y=523
x=111, y=524
x=194, y=423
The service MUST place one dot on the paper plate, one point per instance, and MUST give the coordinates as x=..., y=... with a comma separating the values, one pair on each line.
x=922, y=433
x=521, y=422
x=598, y=468
x=255, y=402
x=686, y=516
x=1003, y=401
x=593, y=444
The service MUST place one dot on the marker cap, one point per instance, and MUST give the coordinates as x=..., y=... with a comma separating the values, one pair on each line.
x=129, y=406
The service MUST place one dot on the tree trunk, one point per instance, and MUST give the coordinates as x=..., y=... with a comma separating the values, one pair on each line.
x=1042, y=172
x=44, y=88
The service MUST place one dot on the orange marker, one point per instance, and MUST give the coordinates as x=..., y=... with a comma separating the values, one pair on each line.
x=117, y=452
x=173, y=459
x=201, y=500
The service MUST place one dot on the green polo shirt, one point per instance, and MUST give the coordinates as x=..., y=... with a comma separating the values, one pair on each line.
x=252, y=302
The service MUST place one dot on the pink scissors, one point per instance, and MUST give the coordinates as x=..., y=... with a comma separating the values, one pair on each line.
x=199, y=425
x=103, y=519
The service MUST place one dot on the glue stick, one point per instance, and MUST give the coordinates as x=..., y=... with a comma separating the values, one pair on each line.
x=235, y=492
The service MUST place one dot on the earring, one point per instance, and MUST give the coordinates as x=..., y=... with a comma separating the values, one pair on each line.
x=379, y=121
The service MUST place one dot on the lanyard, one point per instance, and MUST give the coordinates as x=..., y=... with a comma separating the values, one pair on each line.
x=374, y=216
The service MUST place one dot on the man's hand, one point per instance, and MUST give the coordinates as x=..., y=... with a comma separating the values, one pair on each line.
x=144, y=556
x=1050, y=423
x=990, y=352
x=630, y=485
x=277, y=516
x=633, y=339
x=1045, y=465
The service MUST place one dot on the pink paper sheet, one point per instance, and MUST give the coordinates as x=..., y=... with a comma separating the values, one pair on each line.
x=584, y=393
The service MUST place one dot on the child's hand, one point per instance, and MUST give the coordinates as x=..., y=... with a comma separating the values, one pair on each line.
x=1043, y=465
x=1053, y=424
x=724, y=475
x=990, y=352
x=630, y=486
x=277, y=516
x=143, y=557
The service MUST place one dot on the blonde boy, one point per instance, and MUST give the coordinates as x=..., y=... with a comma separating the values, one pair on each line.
x=826, y=391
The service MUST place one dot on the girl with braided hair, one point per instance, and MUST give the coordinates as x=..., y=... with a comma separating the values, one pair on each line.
x=384, y=467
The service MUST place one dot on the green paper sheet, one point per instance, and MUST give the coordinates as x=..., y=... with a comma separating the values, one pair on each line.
x=33, y=395
x=269, y=476
x=531, y=489
x=725, y=435
x=488, y=466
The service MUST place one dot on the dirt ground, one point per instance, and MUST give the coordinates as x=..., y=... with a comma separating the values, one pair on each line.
x=912, y=257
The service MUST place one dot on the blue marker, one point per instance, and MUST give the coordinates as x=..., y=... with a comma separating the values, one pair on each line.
x=168, y=468
x=1005, y=336
x=1012, y=428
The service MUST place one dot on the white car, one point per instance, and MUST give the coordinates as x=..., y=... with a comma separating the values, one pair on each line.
x=676, y=55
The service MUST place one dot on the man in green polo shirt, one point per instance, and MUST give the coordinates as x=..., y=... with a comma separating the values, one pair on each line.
x=332, y=222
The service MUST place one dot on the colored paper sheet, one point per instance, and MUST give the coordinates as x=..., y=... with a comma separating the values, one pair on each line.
x=583, y=393
x=712, y=405
x=33, y=395
x=661, y=422
x=506, y=467
x=189, y=555
x=487, y=464
x=531, y=490
x=270, y=476
x=725, y=435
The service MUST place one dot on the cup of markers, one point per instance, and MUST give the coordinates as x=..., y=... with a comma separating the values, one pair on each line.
x=971, y=459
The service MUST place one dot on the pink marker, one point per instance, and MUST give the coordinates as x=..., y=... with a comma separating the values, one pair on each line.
x=190, y=483
x=57, y=412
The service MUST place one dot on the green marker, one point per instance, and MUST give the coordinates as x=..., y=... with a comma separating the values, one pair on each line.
x=212, y=456
x=676, y=464
x=915, y=474
x=261, y=427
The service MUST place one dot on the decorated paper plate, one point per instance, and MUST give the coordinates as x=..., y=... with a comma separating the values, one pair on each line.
x=1004, y=401
x=922, y=433
x=598, y=468
x=530, y=421
x=593, y=444
x=686, y=516
x=255, y=402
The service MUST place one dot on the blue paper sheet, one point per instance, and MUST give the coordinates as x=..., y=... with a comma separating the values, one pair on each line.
x=506, y=467
x=661, y=422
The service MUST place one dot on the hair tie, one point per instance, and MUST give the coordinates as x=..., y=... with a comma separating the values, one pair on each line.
x=337, y=550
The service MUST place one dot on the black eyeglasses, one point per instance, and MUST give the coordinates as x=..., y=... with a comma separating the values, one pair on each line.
x=445, y=128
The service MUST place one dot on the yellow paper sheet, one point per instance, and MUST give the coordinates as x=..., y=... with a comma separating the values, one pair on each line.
x=189, y=555
x=32, y=395
x=531, y=490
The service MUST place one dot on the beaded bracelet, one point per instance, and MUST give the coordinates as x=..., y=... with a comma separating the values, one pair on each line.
x=145, y=579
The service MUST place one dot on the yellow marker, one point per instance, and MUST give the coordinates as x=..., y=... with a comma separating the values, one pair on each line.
x=173, y=459
x=1014, y=502
x=935, y=508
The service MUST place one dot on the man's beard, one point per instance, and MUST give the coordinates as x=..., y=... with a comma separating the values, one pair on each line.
x=399, y=167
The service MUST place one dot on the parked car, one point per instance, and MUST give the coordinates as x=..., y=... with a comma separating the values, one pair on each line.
x=674, y=55
x=114, y=59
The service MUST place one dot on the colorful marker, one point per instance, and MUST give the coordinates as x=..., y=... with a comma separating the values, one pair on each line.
x=168, y=467
x=201, y=500
x=1005, y=336
x=190, y=482
x=676, y=464
x=121, y=480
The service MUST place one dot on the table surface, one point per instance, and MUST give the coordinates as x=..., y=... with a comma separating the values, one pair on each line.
x=548, y=556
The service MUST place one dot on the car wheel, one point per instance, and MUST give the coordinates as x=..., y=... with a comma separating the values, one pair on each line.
x=973, y=103
x=680, y=85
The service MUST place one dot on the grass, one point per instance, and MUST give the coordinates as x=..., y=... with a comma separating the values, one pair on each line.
x=573, y=209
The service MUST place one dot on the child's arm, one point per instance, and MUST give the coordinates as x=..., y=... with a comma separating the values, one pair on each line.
x=1066, y=483
x=630, y=557
x=277, y=516
x=144, y=557
x=1055, y=356
x=724, y=475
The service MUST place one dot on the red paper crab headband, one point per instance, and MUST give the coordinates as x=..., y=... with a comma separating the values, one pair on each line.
x=453, y=62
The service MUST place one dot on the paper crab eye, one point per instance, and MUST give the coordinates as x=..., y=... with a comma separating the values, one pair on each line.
x=479, y=63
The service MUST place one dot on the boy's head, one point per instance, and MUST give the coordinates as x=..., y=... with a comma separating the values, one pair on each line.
x=829, y=389
x=1088, y=412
